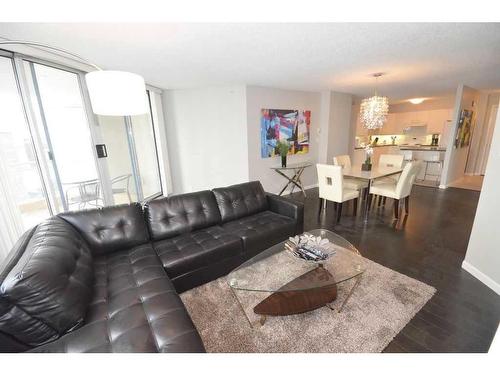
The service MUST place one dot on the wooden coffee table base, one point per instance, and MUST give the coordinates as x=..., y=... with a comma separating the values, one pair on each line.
x=287, y=301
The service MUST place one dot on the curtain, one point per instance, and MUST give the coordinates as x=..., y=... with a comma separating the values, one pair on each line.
x=11, y=226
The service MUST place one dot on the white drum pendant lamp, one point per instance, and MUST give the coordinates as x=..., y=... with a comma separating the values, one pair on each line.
x=115, y=93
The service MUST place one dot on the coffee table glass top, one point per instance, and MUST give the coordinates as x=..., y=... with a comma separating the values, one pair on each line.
x=274, y=269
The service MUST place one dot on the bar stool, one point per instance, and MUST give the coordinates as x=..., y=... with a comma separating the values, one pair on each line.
x=437, y=175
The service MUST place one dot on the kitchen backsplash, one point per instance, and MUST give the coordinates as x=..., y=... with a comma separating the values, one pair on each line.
x=396, y=139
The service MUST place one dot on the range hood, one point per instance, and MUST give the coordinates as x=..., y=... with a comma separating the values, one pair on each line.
x=415, y=128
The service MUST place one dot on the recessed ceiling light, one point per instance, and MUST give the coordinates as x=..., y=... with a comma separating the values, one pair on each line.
x=416, y=100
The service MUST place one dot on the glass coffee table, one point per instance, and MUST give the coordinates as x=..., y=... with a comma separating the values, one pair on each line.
x=284, y=285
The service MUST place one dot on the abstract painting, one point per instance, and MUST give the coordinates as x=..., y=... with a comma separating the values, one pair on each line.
x=288, y=125
x=464, y=130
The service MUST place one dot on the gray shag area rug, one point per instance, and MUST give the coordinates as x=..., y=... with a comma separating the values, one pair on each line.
x=381, y=305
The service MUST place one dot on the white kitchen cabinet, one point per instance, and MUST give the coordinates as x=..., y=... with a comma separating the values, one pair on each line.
x=420, y=117
x=437, y=120
x=398, y=121
x=390, y=125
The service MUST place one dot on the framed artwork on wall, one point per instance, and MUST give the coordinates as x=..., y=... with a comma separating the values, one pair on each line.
x=284, y=125
x=464, y=130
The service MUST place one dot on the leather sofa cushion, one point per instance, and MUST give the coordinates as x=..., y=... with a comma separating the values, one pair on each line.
x=198, y=249
x=135, y=309
x=48, y=290
x=110, y=228
x=261, y=230
x=240, y=200
x=170, y=216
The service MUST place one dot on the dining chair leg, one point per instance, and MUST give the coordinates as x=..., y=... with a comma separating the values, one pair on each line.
x=370, y=197
x=396, y=209
x=383, y=201
x=379, y=200
x=355, y=207
x=320, y=206
x=339, y=211
x=407, y=204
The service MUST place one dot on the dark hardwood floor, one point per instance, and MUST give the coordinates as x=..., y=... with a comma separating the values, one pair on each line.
x=429, y=245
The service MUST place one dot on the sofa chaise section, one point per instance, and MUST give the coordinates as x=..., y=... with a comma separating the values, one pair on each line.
x=90, y=281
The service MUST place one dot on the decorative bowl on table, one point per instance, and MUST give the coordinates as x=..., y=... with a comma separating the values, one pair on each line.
x=309, y=248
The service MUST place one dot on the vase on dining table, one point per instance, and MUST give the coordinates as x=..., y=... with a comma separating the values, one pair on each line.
x=367, y=165
x=283, y=161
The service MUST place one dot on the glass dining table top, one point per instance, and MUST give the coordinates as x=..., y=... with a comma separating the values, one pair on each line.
x=376, y=172
x=276, y=269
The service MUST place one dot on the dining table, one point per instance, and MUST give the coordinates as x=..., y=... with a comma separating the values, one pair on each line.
x=376, y=172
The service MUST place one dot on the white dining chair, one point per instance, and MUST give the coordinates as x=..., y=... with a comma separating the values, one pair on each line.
x=388, y=161
x=399, y=190
x=332, y=188
x=352, y=183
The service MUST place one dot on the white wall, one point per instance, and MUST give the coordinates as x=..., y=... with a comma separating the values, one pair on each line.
x=483, y=256
x=337, y=130
x=340, y=133
x=207, y=137
x=456, y=158
x=258, y=98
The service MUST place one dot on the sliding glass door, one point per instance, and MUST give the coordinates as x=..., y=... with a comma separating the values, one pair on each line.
x=68, y=147
x=23, y=200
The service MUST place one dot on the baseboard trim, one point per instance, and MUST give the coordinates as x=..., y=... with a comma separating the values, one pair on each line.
x=486, y=280
x=287, y=192
x=310, y=186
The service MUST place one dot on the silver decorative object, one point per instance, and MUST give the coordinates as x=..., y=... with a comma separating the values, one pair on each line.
x=309, y=248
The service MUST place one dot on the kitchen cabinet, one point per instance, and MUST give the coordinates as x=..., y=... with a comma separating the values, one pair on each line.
x=437, y=120
x=390, y=127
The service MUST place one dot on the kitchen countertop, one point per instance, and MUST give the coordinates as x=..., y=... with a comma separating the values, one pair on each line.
x=422, y=148
x=389, y=145
x=410, y=147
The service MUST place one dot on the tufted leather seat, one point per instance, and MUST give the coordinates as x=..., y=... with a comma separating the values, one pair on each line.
x=261, y=230
x=190, y=251
x=193, y=248
x=135, y=309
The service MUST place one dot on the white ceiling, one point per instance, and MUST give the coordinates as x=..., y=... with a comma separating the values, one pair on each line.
x=420, y=60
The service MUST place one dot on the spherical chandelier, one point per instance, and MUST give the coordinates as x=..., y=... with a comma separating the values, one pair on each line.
x=374, y=110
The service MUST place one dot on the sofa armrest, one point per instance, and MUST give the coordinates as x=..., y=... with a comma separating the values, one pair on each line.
x=289, y=208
